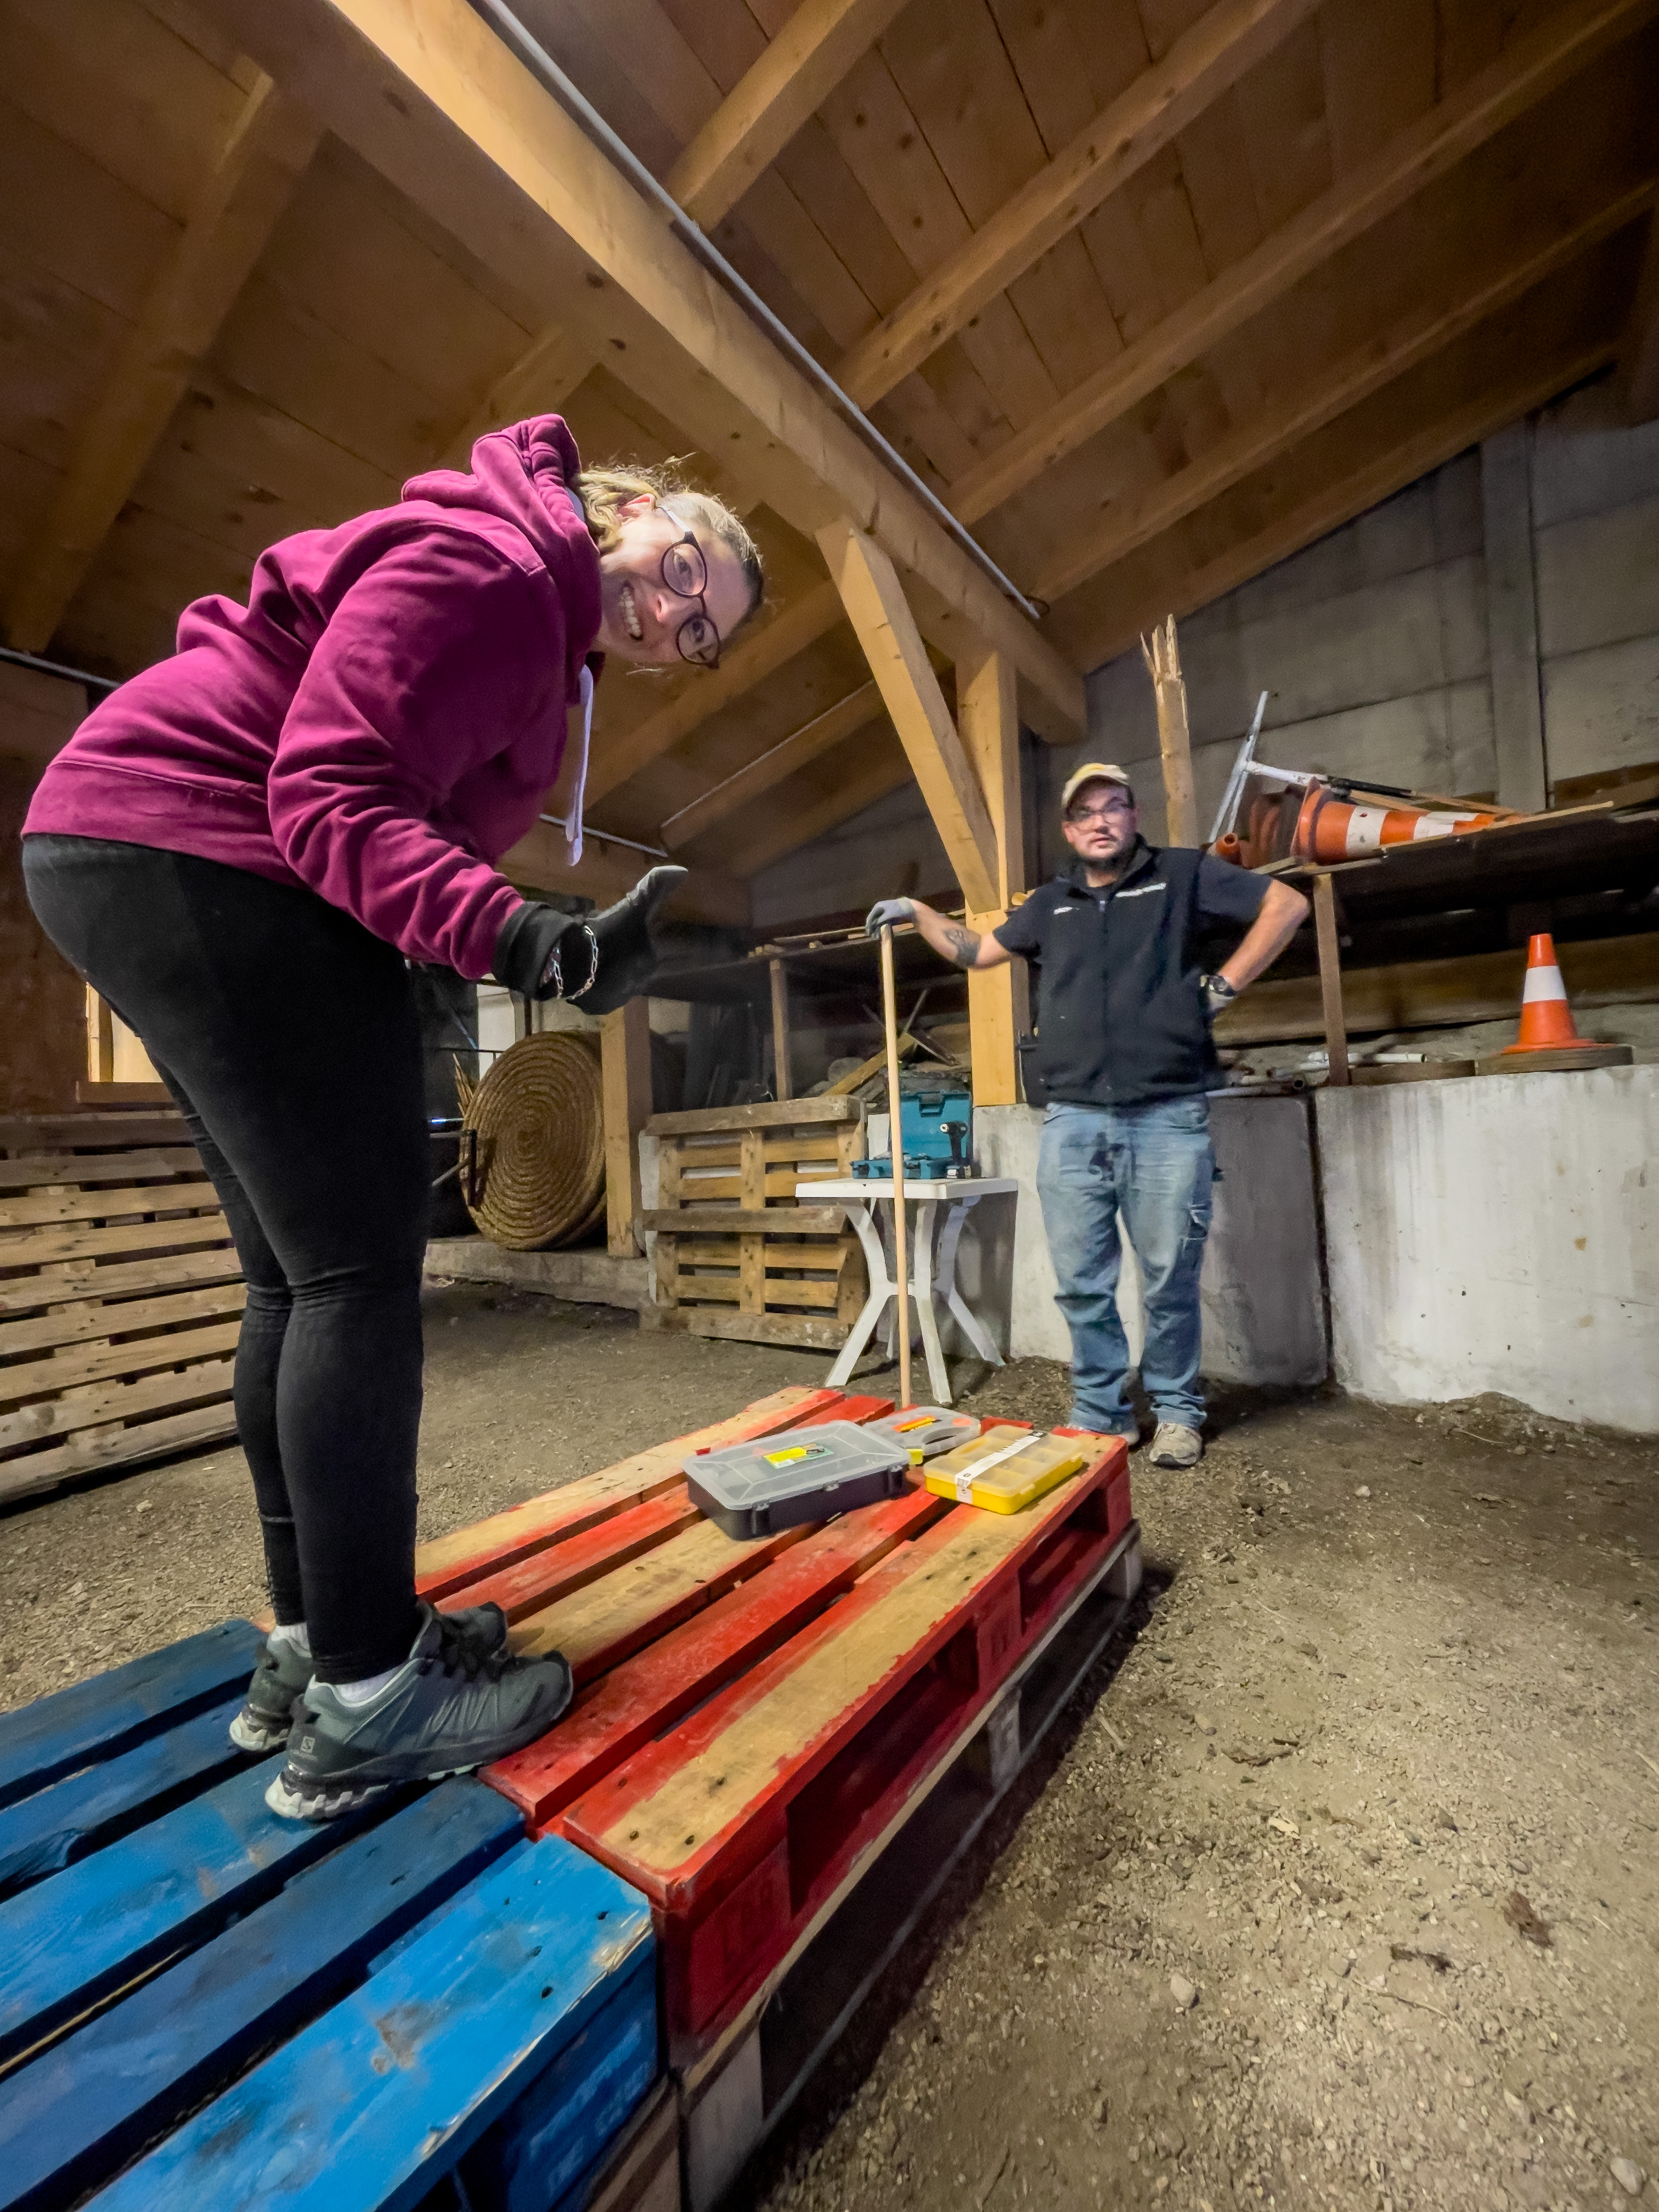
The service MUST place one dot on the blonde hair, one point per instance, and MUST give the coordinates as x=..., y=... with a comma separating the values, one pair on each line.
x=603, y=492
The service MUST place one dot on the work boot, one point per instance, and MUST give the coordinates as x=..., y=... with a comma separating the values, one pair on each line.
x=284, y=1675
x=454, y=1704
x=1176, y=1445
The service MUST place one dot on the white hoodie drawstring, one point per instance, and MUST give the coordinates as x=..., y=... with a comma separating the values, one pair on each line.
x=573, y=823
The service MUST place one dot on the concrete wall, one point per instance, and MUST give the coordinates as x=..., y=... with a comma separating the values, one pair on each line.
x=1501, y=1234
x=1374, y=643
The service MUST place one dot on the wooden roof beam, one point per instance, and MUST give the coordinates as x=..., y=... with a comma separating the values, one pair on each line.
x=429, y=95
x=749, y=663
x=825, y=730
x=607, y=869
x=538, y=382
x=1638, y=357
x=1524, y=74
x=788, y=831
x=1204, y=62
x=887, y=630
x=235, y=210
x=760, y=115
x=1375, y=480
x=1434, y=323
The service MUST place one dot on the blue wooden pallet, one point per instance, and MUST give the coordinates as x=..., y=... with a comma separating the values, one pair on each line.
x=202, y=2004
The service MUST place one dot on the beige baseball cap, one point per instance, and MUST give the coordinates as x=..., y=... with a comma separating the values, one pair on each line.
x=1092, y=772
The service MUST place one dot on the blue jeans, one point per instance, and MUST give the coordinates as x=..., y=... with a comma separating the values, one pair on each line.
x=1154, y=1165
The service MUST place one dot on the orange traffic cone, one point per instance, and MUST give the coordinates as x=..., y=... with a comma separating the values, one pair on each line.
x=1546, y=1017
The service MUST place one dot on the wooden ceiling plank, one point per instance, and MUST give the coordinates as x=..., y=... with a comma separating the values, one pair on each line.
x=538, y=382
x=1203, y=63
x=748, y=664
x=1522, y=76
x=1435, y=321
x=843, y=719
x=758, y=118
x=1379, y=66
x=790, y=827
x=876, y=608
x=233, y=216
x=1639, y=354
x=1378, y=478
x=443, y=109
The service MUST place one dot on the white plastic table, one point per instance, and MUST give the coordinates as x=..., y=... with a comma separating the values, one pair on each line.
x=932, y=1267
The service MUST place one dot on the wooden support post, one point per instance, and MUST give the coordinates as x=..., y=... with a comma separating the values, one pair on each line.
x=625, y=1057
x=1163, y=659
x=783, y=1087
x=101, y=1039
x=1330, y=979
x=1517, y=708
x=998, y=998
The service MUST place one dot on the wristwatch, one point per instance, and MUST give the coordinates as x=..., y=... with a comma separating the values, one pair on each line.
x=1218, y=992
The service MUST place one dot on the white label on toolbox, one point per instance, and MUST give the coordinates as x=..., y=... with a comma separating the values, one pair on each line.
x=969, y=1475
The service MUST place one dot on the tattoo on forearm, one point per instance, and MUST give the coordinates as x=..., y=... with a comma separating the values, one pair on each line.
x=963, y=944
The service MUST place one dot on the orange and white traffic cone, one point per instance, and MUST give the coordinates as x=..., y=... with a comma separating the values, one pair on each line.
x=1546, y=1015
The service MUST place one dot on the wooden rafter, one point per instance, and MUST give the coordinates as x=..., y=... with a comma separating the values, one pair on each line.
x=820, y=735
x=886, y=771
x=887, y=630
x=761, y=113
x=998, y=998
x=538, y=382
x=1202, y=64
x=1534, y=66
x=231, y=217
x=1374, y=480
x=435, y=100
x=1639, y=354
x=749, y=663
x=1435, y=322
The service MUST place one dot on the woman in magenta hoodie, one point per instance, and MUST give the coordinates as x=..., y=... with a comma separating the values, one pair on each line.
x=239, y=849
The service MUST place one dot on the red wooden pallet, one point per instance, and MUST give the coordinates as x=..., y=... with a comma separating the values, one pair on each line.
x=737, y=1770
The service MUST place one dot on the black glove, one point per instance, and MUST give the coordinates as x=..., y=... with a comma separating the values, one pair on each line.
x=888, y=913
x=628, y=958
x=598, y=962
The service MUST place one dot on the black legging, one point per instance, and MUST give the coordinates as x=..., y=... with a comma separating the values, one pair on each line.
x=289, y=1037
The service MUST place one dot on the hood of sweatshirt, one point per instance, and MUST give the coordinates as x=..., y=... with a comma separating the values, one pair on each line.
x=526, y=475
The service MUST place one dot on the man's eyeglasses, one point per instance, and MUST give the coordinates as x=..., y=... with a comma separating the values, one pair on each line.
x=686, y=575
x=1113, y=810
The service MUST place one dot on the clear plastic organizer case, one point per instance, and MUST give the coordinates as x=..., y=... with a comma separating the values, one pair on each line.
x=805, y=1475
x=926, y=1429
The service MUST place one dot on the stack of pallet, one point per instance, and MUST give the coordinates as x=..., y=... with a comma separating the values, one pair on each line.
x=120, y=1296
x=736, y=1256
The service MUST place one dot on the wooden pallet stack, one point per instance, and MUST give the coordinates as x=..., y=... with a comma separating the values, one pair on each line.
x=736, y=1256
x=120, y=1296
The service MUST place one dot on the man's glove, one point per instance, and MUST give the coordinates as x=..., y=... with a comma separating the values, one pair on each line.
x=1218, y=993
x=888, y=913
x=598, y=962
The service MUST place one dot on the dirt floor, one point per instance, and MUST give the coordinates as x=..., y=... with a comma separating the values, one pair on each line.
x=1336, y=1885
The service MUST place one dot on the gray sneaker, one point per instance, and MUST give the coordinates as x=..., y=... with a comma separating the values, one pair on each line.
x=1176, y=1445
x=283, y=1677
x=449, y=1707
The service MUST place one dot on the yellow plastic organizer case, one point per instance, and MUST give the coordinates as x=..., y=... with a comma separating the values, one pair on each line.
x=1005, y=1470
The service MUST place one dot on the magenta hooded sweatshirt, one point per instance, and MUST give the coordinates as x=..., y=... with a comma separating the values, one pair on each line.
x=383, y=718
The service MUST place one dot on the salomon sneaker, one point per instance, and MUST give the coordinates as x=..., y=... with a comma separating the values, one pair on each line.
x=449, y=1707
x=284, y=1675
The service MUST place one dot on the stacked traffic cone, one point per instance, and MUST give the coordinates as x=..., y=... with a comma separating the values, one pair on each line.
x=1546, y=1015
x=1548, y=1038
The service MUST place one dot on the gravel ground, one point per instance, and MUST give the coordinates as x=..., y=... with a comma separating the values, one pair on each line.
x=1336, y=1885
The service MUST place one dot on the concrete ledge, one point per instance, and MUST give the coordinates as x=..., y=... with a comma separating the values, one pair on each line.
x=589, y=1278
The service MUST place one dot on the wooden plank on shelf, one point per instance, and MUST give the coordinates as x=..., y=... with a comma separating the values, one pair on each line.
x=690, y=1220
x=22, y=1294
x=768, y=1114
x=104, y=1362
x=27, y=1171
x=1205, y=61
x=78, y=1323
x=807, y=58
x=102, y=1449
x=1529, y=69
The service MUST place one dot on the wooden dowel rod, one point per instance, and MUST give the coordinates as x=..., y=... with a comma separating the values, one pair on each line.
x=895, y=1122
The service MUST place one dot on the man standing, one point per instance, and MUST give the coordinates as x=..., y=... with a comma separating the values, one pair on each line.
x=1125, y=1056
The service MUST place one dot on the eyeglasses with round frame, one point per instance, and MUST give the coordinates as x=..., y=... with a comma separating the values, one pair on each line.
x=1104, y=812
x=685, y=572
